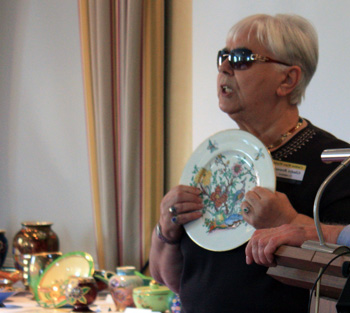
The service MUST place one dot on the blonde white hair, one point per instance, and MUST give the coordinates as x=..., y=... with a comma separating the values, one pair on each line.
x=290, y=38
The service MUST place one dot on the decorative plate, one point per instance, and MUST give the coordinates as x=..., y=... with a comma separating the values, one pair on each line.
x=225, y=167
x=50, y=291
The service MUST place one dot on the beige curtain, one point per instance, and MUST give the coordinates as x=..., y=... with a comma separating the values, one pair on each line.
x=122, y=53
x=178, y=89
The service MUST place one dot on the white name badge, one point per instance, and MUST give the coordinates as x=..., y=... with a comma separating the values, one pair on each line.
x=289, y=171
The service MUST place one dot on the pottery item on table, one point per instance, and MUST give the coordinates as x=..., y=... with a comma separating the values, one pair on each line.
x=121, y=287
x=34, y=237
x=145, y=279
x=6, y=290
x=37, y=264
x=154, y=297
x=3, y=247
x=11, y=274
x=6, y=284
x=4, y=294
x=102, y=278
x=81, y=292
x=50, y=289
x=174, y=303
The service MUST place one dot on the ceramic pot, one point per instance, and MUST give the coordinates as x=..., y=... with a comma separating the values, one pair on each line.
x=6, y=291
x=121, y=287
x=37, y=264
x=154, y=297
x=102, y=278
x=6, y=285
x=81, y=292
x=174, y=303
x=3, y=247
x=11, y=274
x=34, y=237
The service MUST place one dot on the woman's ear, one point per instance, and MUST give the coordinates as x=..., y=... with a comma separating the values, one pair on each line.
x=292, y=77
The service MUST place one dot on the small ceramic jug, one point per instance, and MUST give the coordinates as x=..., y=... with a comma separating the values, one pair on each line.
x=121, y=287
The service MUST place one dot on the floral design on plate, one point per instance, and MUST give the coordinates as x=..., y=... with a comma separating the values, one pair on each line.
x=223, y=185
x=224, y=167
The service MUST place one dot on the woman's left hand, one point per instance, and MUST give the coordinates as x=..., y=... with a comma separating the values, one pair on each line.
x=263, y=208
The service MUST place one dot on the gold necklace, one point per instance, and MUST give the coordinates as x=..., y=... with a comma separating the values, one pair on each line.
x=285, y=135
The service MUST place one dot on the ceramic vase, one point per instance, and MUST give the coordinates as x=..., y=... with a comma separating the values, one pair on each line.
x=174, y=303
x=81, y=292
x=3, y=247
x=34, y=237
x=121, y=287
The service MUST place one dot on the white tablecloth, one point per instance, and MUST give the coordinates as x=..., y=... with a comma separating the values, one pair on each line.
x=24, y=302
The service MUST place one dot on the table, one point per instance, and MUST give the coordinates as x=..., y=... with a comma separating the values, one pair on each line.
x=24, y=302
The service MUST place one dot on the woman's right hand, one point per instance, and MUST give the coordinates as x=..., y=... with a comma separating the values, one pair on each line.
x=186, y=204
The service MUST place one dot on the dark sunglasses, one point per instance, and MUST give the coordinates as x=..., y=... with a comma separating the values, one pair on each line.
x=242, y=58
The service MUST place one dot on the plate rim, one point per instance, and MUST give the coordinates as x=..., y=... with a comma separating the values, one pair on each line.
x=202, y=146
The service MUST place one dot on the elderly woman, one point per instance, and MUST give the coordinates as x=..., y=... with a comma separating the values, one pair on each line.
x=263, y=72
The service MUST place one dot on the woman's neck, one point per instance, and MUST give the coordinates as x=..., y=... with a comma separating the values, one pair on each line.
x=274, y=131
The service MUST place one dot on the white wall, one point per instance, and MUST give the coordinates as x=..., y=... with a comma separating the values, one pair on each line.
x=327, y=97
x=44, y=172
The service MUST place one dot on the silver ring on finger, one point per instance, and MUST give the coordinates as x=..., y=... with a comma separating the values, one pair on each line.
x=246, y=209
x=173, y=211
x=174, y=220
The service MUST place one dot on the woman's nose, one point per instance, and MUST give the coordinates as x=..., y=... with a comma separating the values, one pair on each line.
x=226, y=67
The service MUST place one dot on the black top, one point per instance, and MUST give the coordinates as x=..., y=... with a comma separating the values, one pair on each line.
x=222, y=282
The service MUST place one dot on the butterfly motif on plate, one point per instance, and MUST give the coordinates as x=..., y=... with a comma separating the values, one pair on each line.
x=259, y=154
x=212, y=146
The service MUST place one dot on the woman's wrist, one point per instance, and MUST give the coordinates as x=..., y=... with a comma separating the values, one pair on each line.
x=163, y=238
x=301, y=219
